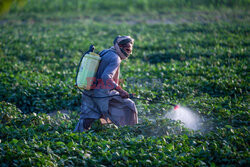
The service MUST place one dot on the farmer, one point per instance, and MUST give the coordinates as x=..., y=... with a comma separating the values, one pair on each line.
x=114, y=105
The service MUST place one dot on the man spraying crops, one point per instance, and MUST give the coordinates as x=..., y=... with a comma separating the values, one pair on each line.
x=111, y=103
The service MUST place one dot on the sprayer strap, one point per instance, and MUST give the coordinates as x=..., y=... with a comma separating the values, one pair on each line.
x=102, y=53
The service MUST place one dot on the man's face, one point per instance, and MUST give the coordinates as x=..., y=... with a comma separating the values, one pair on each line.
x=128, y=48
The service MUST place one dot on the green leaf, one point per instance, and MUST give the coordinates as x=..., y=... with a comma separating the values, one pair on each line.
x=170, y=146
x=228, y=126
x=14, y=141
x=60, y=143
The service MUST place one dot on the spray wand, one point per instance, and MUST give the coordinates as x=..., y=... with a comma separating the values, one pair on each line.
x=131, y=96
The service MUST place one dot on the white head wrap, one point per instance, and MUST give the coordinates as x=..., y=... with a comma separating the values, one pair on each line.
x=117, y=48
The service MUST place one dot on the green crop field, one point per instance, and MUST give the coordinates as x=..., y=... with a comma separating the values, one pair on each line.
x=189, y=52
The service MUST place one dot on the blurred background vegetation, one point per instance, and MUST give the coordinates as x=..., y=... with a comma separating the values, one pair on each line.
x=120, y=6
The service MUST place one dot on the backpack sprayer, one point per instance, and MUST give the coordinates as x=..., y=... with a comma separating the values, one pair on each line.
x=87, y=68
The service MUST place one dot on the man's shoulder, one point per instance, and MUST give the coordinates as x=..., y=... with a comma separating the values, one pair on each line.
x=107, y=51
x=110, y=55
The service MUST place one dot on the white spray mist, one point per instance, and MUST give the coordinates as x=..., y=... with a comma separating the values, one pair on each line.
x=190, y=119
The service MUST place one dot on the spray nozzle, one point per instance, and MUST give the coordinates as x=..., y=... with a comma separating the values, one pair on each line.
x=176, y=107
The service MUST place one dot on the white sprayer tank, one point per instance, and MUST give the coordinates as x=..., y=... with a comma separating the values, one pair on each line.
x=87, y=69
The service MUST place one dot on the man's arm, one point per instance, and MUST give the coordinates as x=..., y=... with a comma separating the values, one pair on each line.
x=108, y=76
x=109, y=72
x=123, y=93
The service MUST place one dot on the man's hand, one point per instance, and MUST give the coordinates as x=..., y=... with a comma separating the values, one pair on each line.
x=123, y=93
